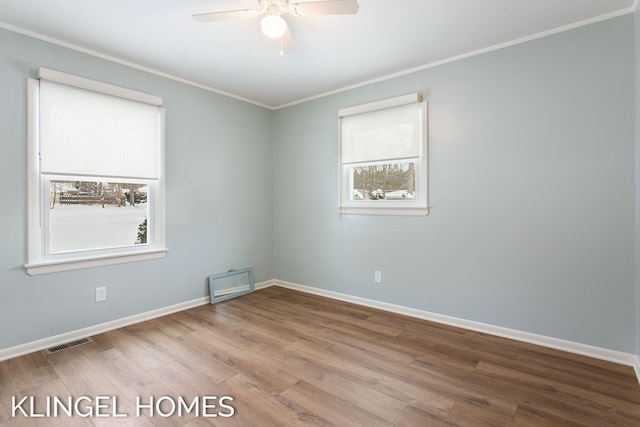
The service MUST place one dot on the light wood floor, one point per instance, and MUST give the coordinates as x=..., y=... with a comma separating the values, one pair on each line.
x=289, y=358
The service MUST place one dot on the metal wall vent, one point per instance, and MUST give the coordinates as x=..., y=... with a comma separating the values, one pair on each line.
x=68, y=345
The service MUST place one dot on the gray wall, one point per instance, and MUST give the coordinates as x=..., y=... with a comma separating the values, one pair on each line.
x=532, y=192
x=219, y=208
x=637, y=46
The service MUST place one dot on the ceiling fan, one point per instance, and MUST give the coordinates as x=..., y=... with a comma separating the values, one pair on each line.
x=273, y=25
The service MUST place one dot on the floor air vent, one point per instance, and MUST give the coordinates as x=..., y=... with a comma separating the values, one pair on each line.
x=68, y=345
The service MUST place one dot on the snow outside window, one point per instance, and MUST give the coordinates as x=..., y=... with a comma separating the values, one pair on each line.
x=96, y=174
x=383, y=157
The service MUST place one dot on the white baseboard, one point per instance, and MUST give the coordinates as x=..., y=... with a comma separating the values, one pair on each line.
x=545, y=341
x=569, y=346
x=55, y=340
x=264, y=284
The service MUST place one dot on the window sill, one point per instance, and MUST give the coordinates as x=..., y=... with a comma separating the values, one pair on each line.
x=35, y=269
x=390, y=211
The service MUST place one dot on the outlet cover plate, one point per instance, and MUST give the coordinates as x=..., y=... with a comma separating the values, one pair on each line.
x=101, y=294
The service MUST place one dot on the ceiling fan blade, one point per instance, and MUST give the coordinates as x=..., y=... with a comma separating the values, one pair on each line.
x=331, y=7
x=226, y=15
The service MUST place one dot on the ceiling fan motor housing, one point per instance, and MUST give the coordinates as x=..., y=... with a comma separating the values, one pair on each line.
x=275, y=7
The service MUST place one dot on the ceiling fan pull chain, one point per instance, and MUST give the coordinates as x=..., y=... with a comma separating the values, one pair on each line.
x=282, y=46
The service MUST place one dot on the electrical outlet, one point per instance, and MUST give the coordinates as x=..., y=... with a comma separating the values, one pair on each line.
x=101, y=294
x=377, y=276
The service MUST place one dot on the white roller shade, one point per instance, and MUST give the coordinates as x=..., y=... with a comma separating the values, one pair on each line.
x=384, y=135
x=83, y=132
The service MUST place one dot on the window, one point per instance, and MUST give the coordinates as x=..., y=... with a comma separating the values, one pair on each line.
x=383, y=157
x=96, y=174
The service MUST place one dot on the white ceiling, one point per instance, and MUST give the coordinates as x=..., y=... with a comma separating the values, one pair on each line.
x=386, y=37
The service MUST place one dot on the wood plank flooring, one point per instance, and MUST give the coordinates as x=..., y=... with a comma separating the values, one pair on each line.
x=291, y=359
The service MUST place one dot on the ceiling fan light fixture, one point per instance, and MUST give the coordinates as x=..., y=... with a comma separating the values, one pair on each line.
x=273, y=26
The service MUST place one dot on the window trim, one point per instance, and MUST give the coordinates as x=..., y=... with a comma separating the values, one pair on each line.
x=415, y=207
x=37, y=261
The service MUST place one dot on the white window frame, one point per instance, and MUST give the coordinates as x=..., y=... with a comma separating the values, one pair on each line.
x=417, y=206
x=39, y=260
